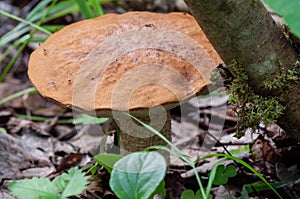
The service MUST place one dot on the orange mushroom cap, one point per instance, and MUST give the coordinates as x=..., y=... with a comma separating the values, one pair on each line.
x=122, y=62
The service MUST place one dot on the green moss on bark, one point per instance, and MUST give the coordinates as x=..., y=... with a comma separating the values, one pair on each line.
x=254, y=109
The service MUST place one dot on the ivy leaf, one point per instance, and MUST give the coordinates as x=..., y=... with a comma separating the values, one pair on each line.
x=71, y=183
x=40, y=188
x=107, y=160
x=137, y=175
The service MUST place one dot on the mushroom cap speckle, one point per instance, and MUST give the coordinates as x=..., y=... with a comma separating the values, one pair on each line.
x=130, y=61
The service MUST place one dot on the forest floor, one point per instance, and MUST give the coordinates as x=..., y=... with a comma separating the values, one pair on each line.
x=39, y=138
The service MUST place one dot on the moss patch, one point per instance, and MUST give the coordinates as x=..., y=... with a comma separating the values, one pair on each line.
x=253, y=109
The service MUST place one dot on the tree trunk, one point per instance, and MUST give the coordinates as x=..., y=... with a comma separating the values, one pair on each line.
x=244, y=30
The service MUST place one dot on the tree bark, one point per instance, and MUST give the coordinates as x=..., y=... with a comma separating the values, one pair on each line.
x=244, y=30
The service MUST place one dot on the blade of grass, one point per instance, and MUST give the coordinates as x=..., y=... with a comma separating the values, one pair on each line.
x=44, y=119
x=30, y=90
x=13, y=60
x=263, y=187
x=13, y=46
x=159, y=147
x=61, y=9
x=97, y=7
x=24, y=21
x=13, y=34
x=84, y=9
x=245, y=165
x=58, y=10
x=36, y=40
x=37, y=9
x=22, y=28
x=53, y=28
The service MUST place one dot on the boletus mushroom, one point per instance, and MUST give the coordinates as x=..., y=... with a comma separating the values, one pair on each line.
x=138, y=62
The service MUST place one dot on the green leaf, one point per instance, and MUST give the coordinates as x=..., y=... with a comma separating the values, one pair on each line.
x=227, y=156
x=160, y=190
x=71, y=183
x=245, y=191
x=107, y=160
x=97, y=7
x=137, y=175
x=230, y=171
x=86, y=119
x=41, y=188
x=246, y=148
x=222, y=174
x=189, y=194
x=85, y=9
x=220, y=178
x=259, y=187
x=290, y=12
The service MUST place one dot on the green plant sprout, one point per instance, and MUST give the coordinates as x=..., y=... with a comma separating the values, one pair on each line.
x=107, y=160
x=189, y=194
x=249, y=167
x=62, y=187
x=223, y=173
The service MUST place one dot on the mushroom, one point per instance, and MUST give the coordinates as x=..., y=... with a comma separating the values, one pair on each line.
x=139, y=62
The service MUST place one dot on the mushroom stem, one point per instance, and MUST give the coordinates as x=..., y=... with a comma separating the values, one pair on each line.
x=136, y=140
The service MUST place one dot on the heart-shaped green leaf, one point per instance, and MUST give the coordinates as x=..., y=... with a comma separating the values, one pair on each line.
x=222, y=174
x=230, y=171
x=107, y=160
x=189, y=194
x=137, y=175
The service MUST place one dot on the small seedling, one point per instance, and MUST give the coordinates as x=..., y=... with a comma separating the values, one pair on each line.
x=189, y=194
x=223, y=173
x=62, y=187
x=107, y=160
